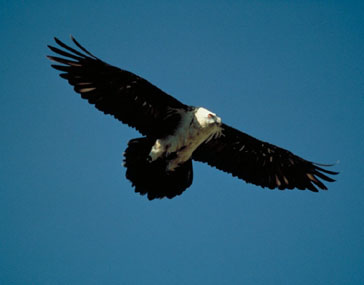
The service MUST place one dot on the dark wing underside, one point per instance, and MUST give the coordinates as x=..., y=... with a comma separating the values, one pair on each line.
x=261, y=163
x=128, y=97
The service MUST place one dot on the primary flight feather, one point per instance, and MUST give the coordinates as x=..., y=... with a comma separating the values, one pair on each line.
x=159, y=164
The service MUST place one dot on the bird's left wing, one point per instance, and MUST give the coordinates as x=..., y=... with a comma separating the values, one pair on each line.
x=261, y=163
x=120, y=93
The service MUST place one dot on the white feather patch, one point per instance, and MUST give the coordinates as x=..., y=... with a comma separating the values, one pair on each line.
x=195, y=127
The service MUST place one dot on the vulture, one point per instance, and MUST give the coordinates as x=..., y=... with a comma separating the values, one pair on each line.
x=159, y=164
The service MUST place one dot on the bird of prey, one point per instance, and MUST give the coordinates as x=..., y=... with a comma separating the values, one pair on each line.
x=159, y=164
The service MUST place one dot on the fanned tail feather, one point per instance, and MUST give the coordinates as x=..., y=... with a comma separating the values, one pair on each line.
x=151, y=178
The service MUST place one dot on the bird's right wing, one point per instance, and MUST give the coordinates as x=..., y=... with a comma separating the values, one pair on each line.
x=122, y=94
x=261, y=163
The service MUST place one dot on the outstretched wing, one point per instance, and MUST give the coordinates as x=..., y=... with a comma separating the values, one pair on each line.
x=261, y=163
x=122, y=94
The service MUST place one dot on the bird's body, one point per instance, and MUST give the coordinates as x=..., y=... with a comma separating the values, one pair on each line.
x=195, y=127
x=160, y=163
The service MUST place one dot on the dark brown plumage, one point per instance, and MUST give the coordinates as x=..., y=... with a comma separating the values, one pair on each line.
x=261, y=163
x=120, y=93
x=156, y=115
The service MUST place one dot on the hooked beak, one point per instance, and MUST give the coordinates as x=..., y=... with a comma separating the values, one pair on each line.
x=217, y=120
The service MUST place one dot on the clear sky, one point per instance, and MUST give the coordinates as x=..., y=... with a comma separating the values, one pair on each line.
x=287, y=73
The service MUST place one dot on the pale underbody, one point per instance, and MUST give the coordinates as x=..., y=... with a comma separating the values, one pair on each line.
x=195, y=127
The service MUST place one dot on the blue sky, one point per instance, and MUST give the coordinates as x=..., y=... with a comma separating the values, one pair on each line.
x=287, y=73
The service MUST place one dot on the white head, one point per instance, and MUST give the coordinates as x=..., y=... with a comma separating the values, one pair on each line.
x=207, y=118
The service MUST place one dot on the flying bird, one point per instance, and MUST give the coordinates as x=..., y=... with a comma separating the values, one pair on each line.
x=159, y=164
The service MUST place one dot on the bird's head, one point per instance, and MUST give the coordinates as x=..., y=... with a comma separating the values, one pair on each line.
x=207, y=118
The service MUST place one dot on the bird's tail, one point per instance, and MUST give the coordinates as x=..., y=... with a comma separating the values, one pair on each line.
x=151, y=178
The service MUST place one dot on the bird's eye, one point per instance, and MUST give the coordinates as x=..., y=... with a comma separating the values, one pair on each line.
x=210, y=116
